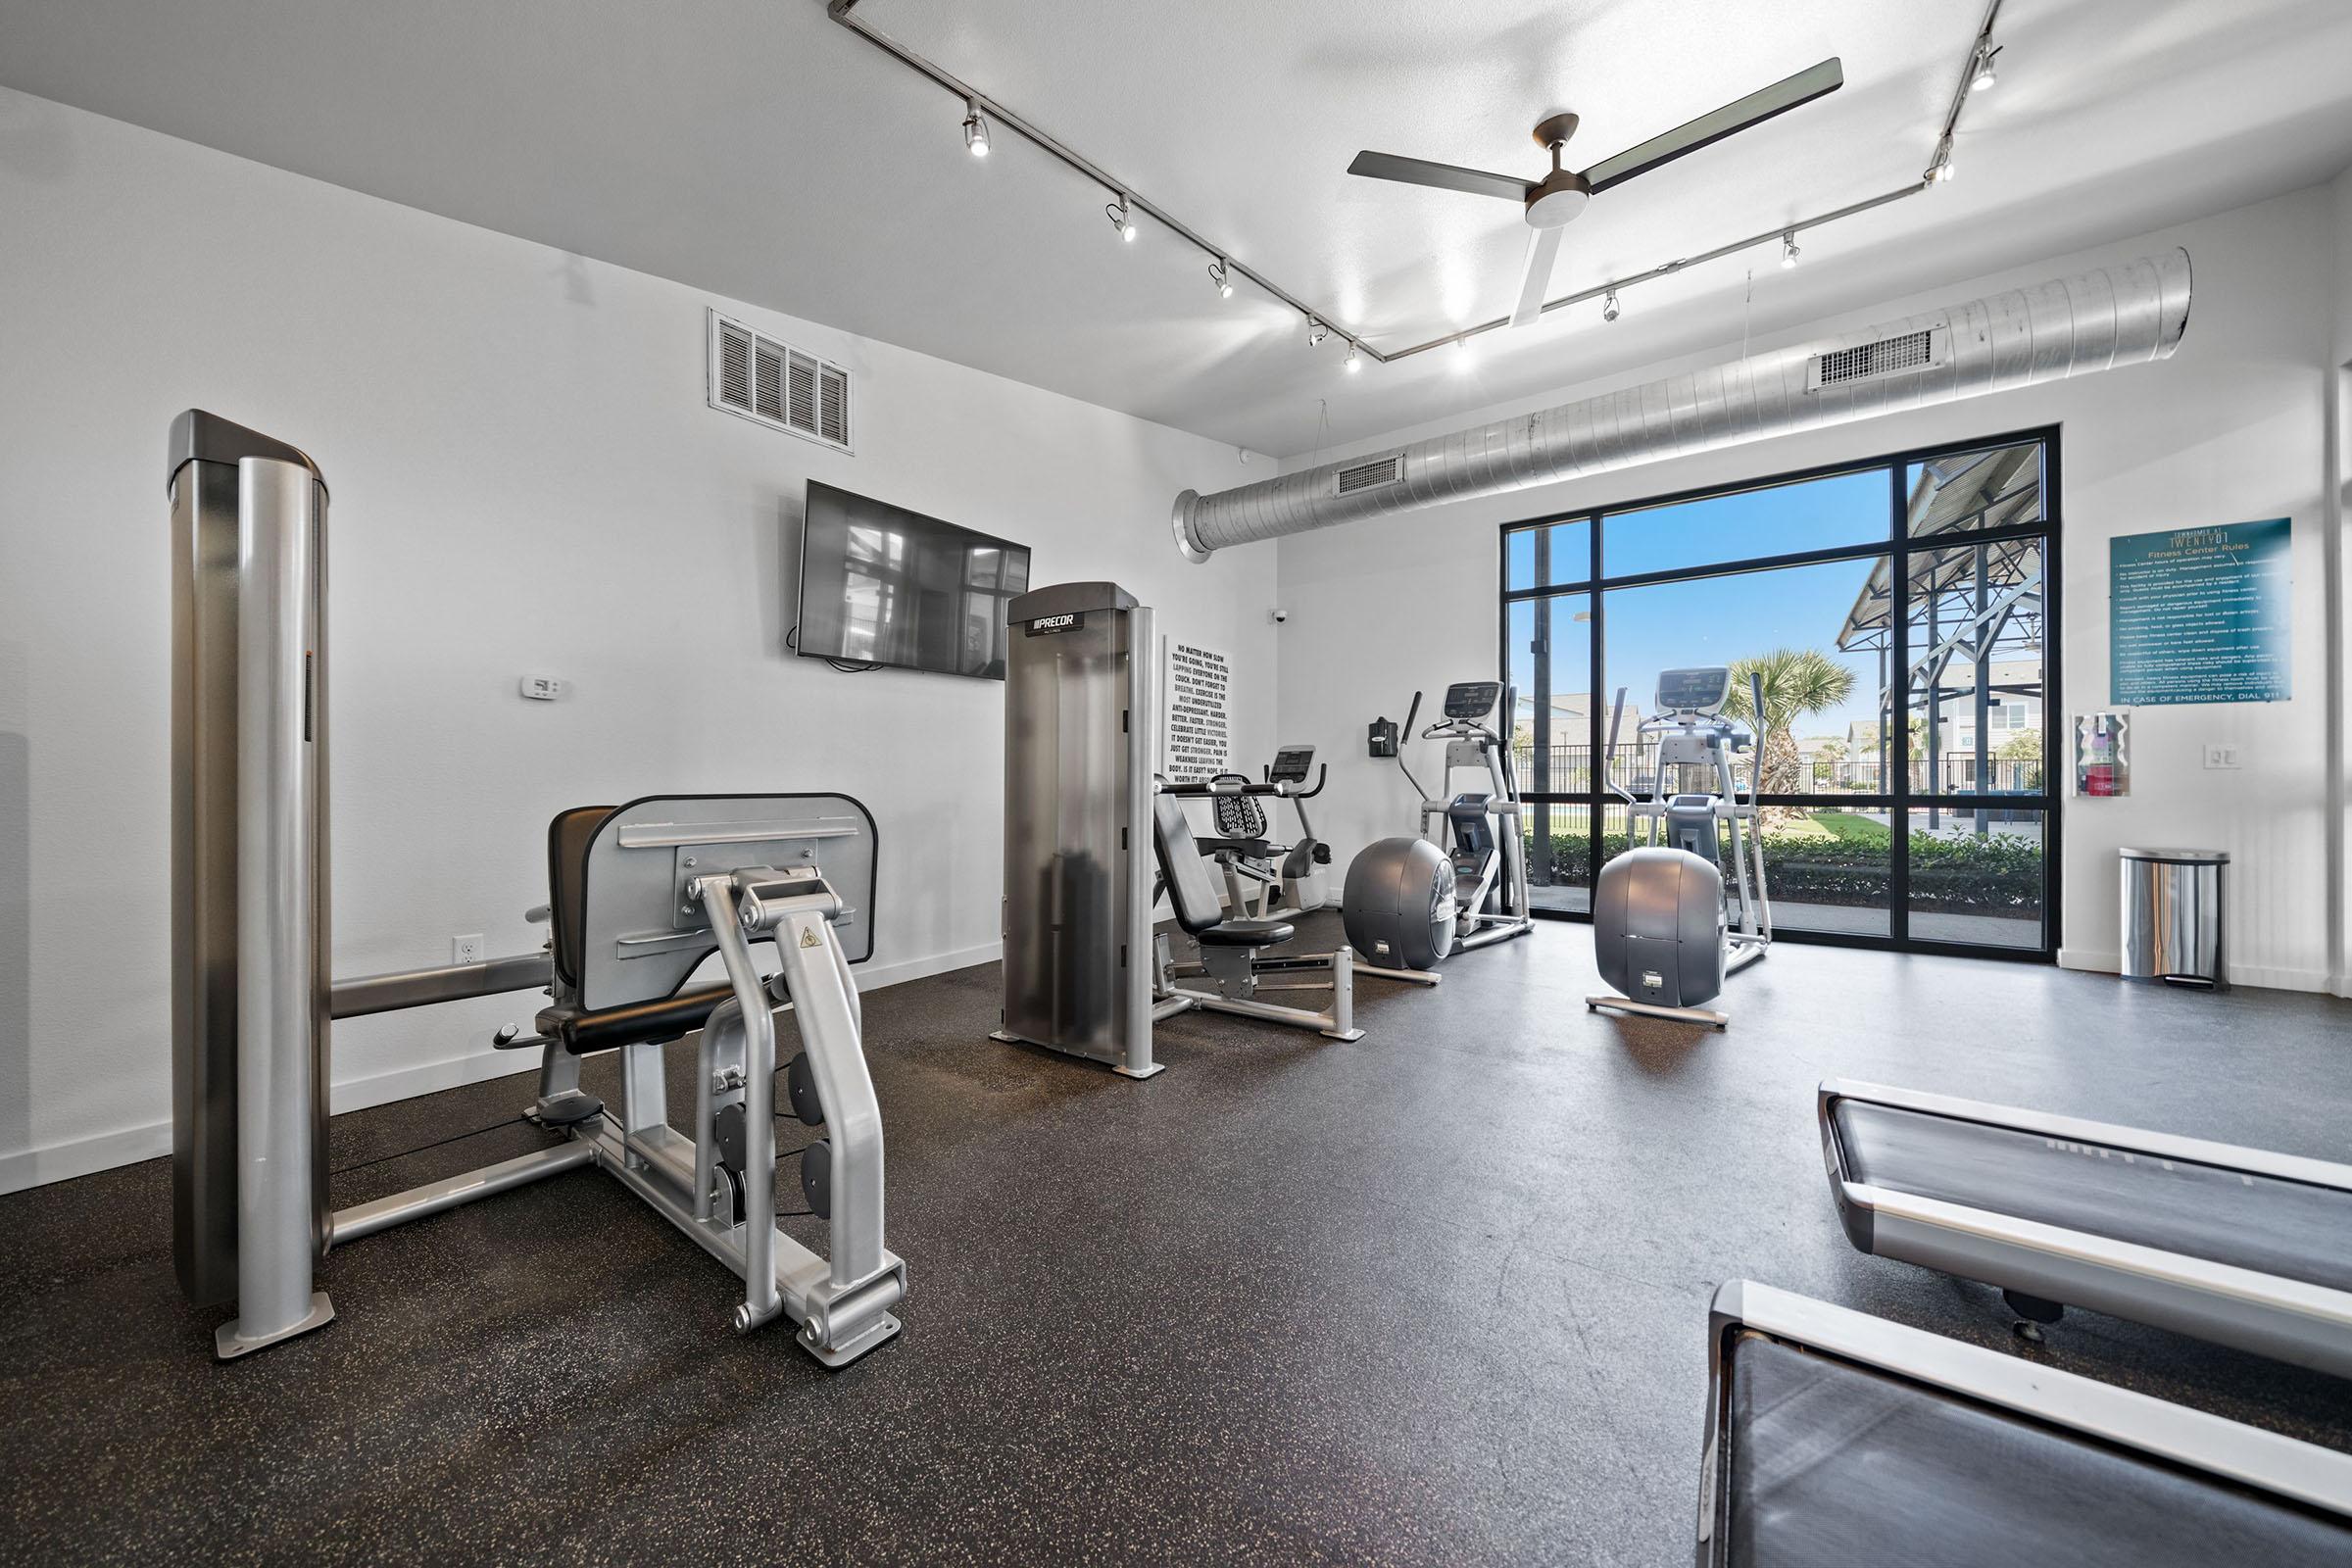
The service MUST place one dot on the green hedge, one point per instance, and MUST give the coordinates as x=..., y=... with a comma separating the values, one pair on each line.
x=1963, y=875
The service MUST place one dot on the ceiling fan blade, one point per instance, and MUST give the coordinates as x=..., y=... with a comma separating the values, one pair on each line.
x=1444, y=176
x=1543, y=244
x=1708, y=128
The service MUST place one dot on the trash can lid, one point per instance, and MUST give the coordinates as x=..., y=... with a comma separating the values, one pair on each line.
x=2180, y=857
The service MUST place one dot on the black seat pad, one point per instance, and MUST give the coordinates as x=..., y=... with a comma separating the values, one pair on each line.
x=1249, y=849
x=1246, y=934
x=568, y=839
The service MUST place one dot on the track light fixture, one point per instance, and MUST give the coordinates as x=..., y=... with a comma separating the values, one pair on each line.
x=1978, y=75
x=1461, y=354
x=1354, y=361
x=1981, y=75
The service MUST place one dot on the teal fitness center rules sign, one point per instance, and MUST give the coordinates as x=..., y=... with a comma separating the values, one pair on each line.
x=2199, y=615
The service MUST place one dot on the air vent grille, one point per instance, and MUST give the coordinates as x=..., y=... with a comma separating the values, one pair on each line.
x=1368, y=476
x=1909, y=352
x=777, y=384
x=734, y=366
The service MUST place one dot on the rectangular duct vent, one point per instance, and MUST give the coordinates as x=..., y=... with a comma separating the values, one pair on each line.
x=1870, y=362
x=1370, y=475
x=777, y=384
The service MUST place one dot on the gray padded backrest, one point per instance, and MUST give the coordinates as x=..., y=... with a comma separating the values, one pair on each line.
x=1190, y=891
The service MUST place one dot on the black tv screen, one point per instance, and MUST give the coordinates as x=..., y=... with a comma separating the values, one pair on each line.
x=882, y=585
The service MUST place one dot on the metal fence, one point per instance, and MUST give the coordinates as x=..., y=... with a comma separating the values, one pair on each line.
x=1570, y=772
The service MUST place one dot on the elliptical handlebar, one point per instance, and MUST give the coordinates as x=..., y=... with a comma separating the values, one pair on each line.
x=1608, y=770
x=1402, y=735
x=1756, y=695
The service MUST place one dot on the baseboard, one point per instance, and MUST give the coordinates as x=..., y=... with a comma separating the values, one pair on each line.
x=2278, y=979
x=85, y=1156
x=82, y=1156
x=2256, y=976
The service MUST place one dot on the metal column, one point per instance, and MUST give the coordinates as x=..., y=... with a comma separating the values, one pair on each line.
x=249, y=876
x=1081, y=728
x=283, y=980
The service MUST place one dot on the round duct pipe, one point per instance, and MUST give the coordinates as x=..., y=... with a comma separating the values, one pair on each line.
x=2128, y=314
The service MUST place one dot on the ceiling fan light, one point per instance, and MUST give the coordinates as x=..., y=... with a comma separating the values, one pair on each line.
x=975, y=130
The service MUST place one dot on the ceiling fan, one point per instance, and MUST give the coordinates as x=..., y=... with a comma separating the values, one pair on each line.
x=1560, y=195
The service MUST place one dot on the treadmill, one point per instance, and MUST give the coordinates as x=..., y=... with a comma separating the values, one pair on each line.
x=1835, y=1438
x=2236, y=1246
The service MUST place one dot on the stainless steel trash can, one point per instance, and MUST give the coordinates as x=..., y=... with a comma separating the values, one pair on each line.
x=2173, y=916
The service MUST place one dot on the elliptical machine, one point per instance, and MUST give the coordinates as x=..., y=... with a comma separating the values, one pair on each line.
x=1409, y=901
x=1661, y=930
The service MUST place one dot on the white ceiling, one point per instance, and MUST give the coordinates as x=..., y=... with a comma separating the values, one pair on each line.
x=755, y=149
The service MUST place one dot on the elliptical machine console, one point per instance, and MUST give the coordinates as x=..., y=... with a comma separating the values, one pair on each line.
x=1662, y=933
x=1409, y=901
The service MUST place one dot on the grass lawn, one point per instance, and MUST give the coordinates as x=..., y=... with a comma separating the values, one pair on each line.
x=1831, y=827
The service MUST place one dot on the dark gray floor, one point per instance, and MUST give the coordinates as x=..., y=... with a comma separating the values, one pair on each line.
x=1438, y=1296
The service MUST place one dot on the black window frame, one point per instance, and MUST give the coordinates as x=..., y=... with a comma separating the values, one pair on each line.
x=1897, y=547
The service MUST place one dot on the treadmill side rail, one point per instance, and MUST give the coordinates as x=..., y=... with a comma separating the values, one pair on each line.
x=2292, y=1320
x=2138, y=1423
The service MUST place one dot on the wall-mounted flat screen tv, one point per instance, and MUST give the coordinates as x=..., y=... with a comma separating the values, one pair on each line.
x=882, y=585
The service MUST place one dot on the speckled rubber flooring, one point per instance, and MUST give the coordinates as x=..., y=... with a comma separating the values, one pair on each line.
x=1435, y=1297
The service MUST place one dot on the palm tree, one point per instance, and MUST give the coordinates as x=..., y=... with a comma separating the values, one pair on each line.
x=1798, y=682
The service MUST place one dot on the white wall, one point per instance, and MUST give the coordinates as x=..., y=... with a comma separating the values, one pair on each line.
x=2339, y=572
x=524, y=478
x=2232, y=428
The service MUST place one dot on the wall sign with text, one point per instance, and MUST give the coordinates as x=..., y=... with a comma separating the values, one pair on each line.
x=1199, y=730
x=2200, y=614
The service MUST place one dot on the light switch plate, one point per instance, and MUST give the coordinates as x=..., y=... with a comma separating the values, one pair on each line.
x=2218, y=755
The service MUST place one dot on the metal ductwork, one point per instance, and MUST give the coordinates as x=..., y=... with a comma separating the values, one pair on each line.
x=2125, y=314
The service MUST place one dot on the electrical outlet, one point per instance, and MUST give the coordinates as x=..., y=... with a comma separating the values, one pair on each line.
x=2220, y=755
x=542, y=688
x=466, y=950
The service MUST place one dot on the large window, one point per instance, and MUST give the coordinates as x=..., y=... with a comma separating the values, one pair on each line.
x=1903, y=613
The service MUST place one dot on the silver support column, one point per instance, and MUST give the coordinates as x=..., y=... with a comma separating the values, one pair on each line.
x=1081, y=729
x=282, y=986
x=1139, y=668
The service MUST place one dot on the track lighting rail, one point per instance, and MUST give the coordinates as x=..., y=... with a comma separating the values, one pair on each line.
x=1225, y=266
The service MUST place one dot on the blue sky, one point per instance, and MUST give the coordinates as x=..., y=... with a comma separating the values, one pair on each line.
x=1716, y=620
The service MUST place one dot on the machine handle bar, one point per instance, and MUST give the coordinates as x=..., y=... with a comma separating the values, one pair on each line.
x=1608, y=772
x=1239, y=784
